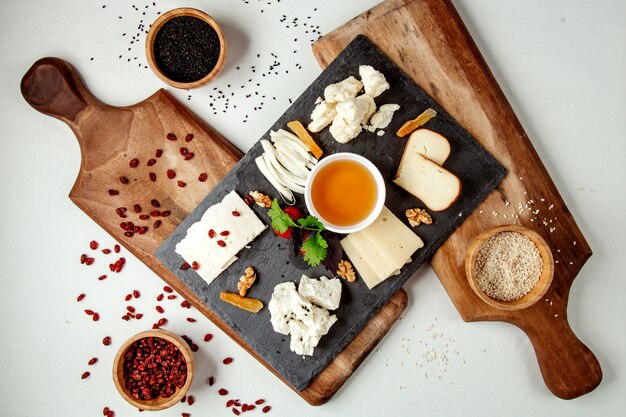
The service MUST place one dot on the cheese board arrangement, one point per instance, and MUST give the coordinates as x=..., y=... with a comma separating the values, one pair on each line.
x=383, y=163
x=299, y=331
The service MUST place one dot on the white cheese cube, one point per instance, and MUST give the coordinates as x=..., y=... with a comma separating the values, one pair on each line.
x=235, y=231
x=373, y=81
x=324, y=292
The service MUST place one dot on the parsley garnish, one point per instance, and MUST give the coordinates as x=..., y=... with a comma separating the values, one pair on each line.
x=314, y=246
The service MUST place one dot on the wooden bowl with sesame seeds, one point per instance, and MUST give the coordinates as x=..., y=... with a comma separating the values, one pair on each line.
x=158, y=403
x=536, y=292
x=183, y=58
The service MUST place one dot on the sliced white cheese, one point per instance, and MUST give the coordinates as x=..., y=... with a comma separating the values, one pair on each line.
x=343, y=90
x=383, y=116
x=235, y=231
x=323, y=292
x=373, y=81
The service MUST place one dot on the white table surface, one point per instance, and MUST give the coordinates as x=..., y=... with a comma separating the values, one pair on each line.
x=562, y=65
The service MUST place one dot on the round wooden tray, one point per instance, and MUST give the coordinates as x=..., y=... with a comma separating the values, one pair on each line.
x=157, y=403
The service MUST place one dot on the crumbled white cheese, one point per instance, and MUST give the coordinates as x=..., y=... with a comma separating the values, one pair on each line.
x=373, y=81
x=292, y=313
x=367, y=103
x=383, y=116
x=352, y=111
x=342, y=131
x=322, y=116
x=323, y=292
x=343, y=90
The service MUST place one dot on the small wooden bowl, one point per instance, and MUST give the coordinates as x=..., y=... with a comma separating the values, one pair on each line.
x=156, y=26
x=538, y=290
x=157, y=403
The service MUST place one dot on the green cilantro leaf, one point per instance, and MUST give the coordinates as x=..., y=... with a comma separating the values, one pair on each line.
x=280, y=220
x=314, y=253
x=311, y=223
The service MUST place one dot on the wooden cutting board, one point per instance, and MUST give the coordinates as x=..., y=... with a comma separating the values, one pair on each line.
x=110, y=137
x=428, y=40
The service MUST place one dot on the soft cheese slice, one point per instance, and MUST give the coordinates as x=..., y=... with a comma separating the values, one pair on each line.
x=393, y=238
x=437, y=187
x=323, y=292
x=212, y=258
x=429, y=144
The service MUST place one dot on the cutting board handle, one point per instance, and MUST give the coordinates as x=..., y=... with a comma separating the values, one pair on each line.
x=569, y=368
x=53, y=87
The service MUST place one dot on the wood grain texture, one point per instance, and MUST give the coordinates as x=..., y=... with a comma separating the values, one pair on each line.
x=109, y=137
x=428, y=40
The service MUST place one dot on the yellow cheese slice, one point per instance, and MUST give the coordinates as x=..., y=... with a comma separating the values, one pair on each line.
x=353, y=249
x=394, y=240
x=382, y=249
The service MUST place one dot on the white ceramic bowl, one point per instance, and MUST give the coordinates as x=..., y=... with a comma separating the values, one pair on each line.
x=380, y=191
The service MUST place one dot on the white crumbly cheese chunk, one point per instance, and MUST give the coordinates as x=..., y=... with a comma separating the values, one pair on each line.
x=373, y=81
x=323, y=292
x=322, y=116
x=352, y=111
x=198, y=246
x=383, y=116
x=292, y=313
x=343, y=90
x=367, y=103
x=342, y=131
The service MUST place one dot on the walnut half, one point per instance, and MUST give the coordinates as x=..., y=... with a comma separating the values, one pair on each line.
x=417, y=216
x=346, y=271
x=246, y=281
x=261, y=199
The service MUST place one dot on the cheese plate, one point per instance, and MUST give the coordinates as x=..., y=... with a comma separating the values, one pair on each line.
x=272, y=257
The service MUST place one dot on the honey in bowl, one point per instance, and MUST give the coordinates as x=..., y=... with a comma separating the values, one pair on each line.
x=344, y=192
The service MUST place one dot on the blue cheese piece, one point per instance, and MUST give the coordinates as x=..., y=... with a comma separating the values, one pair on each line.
x=322, y=115
x=343, y=90
x=374, y=81
x=239, y=230
x=322, y=292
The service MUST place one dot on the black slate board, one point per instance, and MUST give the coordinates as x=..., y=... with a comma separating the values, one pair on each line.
x=271, y=256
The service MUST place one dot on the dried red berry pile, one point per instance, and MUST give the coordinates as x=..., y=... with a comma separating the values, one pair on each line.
x=153, y=367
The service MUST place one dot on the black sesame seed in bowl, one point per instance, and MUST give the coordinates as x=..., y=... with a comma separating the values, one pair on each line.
x=185, y=48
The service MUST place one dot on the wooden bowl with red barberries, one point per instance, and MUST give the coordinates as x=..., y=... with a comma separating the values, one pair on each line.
x=153, y=370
